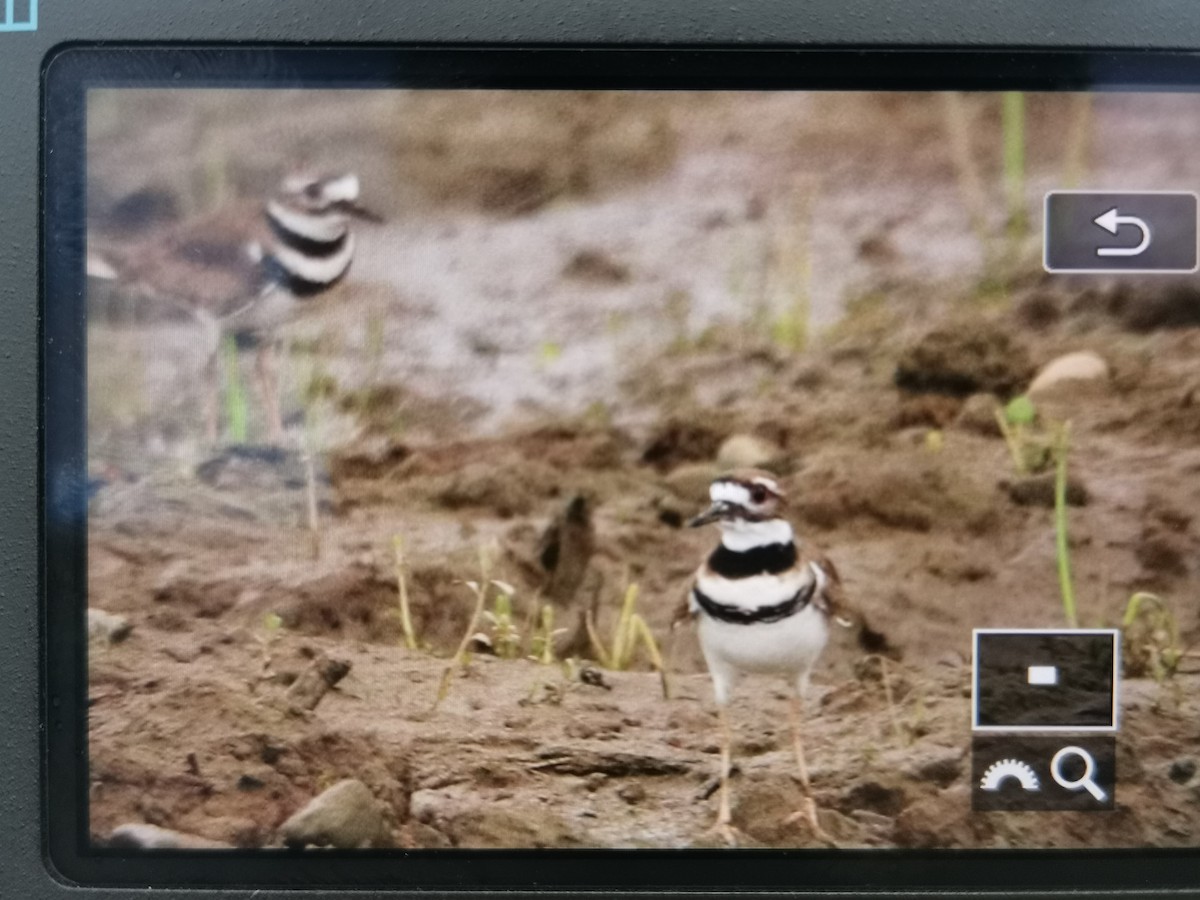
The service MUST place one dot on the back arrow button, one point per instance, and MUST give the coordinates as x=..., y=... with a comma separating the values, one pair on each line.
x=1111, y=221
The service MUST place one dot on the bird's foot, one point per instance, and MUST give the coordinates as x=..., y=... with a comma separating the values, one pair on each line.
x=725, y=831
x=808, y=814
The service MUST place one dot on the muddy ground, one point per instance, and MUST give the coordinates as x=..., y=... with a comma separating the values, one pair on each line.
x=549, y=360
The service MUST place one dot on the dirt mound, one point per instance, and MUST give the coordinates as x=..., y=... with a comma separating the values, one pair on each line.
x=909, y=492
x=971, y=358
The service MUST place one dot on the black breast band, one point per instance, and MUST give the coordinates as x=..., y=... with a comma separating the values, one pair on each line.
x=767, y=559
x=297, y=285
x=776, y=612
x=314, y=248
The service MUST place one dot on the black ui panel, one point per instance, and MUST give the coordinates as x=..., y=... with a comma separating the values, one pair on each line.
x=1090, y=231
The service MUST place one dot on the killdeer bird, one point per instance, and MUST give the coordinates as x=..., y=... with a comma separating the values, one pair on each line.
x=245, y=272
x=764, y=606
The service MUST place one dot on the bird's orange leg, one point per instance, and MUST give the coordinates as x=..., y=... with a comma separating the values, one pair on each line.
x=724, y=825
x=808, y=811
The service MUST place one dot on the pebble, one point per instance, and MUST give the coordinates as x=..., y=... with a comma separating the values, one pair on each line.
x=690, y=481
x=745, y=451
x=1083, y=366
x=632, y=794
x=978, y=414
x=138, y=836
x=1182, y=770
x=346, y=817
x=107, y=626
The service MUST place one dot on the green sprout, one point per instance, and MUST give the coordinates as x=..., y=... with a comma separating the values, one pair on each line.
x=479, y=589
x=629, y=633
x=1013, y=124
x=505, y=637
x=235, y=394
x=542, y=645
x=1028, y=446
x=1150, y=638
x=406, y=624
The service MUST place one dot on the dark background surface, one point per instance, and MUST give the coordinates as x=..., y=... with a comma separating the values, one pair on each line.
x=1082, y=698
x=897, y=23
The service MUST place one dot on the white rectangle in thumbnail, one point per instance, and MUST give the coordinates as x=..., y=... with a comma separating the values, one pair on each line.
x=1043, y=675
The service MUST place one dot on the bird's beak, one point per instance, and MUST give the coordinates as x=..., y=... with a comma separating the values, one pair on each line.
x=354, y=208
x=719, y=510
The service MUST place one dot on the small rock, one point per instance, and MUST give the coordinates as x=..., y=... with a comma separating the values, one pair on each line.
x=596, y=267
x=978, y=414
x=594, y=781
x=942, y=770
x=594, y=677
x=107, y=626
x=632, y=794
x=1073, y=367
x=182, y=653
x=745, y=451
x=1182, y=770
x=690, y=481
x=346, y=817
x=150, y=837
x=885, y=799
x=315, y=682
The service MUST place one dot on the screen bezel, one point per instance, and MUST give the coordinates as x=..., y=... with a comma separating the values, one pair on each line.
x=70, y=72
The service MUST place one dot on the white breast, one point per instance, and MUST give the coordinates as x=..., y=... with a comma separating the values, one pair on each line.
x=756, y=591
x=789, y=648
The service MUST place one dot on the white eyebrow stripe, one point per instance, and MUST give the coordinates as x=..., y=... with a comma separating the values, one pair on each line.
x=728, y=492
x=344, y=188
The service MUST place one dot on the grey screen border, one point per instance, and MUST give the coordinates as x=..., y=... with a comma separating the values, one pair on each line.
x=1094, y=24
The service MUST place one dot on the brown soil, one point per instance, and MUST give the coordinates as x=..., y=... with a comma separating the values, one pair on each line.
x=579, y=460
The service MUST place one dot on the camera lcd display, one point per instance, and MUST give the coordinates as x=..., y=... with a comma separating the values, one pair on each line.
x=495, y=469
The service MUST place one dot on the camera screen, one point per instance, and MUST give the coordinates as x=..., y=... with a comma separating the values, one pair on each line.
x=507, y=469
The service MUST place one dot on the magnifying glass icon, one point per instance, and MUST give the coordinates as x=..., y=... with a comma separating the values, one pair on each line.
x=1085, y=780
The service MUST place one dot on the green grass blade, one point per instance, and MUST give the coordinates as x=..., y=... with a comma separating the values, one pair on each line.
x=1063, y=550
x=235, y=393
x=1014, y=160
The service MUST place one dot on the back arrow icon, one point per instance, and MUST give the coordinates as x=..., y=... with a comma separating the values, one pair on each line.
x=1110, y=222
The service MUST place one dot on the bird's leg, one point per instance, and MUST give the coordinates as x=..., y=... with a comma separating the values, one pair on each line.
x=724, y=826
x=267, y=372
x=808, y=811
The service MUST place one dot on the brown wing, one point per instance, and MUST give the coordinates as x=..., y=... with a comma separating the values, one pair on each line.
x=202, y=264
x=837, y=603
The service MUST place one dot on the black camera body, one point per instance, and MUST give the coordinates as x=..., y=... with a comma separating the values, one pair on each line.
x=590, y=278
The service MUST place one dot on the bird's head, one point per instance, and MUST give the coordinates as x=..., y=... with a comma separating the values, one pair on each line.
x=325, y=195
x=742, y=498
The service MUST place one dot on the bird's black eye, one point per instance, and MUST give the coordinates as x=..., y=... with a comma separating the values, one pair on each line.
x=758, y=494
x=313, y=191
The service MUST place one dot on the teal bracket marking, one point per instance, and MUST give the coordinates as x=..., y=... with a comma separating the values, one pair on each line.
x=10, y=21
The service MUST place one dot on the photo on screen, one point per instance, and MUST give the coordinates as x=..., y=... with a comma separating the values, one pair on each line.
x=491, y=469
